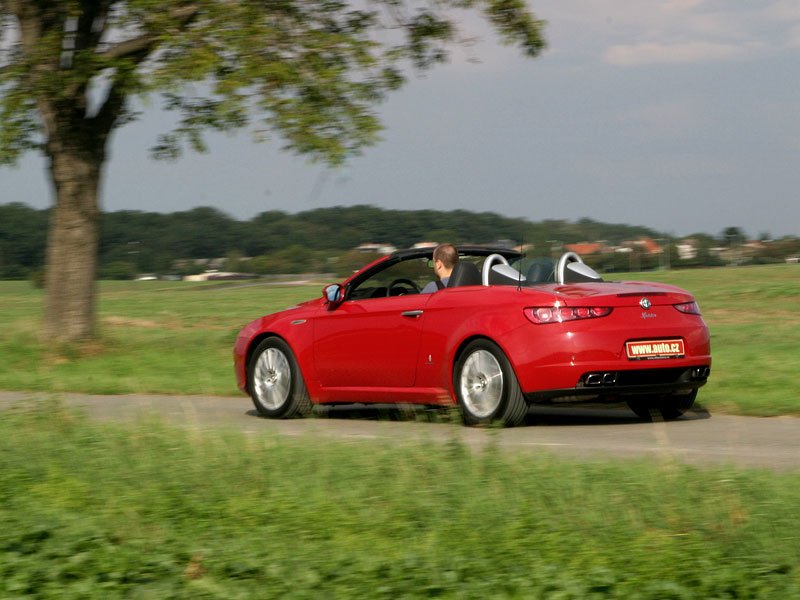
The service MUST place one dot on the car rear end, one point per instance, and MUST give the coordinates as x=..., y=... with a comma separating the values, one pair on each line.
x=612, y=342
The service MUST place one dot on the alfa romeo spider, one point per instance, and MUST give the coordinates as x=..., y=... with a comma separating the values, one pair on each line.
x=506, y=332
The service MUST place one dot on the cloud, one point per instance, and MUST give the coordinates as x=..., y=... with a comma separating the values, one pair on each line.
x=655, y=53
x=630, y=33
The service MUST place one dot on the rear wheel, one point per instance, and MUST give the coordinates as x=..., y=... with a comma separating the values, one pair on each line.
x=275, y=382
x=658, y=408
x=486, y=387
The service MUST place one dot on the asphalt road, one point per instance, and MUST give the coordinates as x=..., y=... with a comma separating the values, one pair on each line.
x=698, y=437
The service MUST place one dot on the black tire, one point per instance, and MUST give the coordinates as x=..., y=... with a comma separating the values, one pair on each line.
x=486, y=387
x=275, y=382
x=662, y=408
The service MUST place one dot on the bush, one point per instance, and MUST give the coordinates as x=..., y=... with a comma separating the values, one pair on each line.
x=119, y=270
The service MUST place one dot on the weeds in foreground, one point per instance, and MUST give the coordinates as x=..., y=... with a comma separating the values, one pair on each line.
x=146, y=511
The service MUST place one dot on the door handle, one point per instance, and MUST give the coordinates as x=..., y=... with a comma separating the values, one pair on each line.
x=411, y=313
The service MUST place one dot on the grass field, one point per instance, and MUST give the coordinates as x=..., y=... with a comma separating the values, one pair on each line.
x=176, y=337
x=93, y=510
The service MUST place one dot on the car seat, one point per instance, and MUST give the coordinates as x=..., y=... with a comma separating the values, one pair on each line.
x=541, y=270
x=464, y=273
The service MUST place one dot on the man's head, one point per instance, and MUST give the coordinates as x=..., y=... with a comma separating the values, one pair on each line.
x=445, y=257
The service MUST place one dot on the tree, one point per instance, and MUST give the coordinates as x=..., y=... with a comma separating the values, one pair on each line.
x=310, y=71
x=732, y=237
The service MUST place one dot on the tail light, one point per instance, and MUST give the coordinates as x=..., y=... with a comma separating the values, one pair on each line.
x=558, y=314
x=689, y=308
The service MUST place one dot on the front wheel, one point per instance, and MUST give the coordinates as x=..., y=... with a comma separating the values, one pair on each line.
x=486, y=387
x=275, y=382
x=666, y=408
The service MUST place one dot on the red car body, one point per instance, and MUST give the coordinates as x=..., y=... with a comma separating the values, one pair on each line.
x=644, y=343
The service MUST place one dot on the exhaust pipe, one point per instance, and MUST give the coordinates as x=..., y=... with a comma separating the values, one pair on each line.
x=594, y=379
x=600, y=379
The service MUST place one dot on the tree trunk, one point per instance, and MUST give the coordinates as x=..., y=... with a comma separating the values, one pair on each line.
x=72, y=246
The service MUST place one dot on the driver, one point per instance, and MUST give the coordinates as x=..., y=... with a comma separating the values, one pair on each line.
x=445, y=258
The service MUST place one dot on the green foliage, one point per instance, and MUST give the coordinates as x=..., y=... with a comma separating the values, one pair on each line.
x=732, y=236
x=22, y=239
x=312, y=241
x=115, y=511
x=310, y=71
x=119, y=270
x=352, y=261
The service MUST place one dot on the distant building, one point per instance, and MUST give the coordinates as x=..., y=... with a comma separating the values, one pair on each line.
x=585, y=248
x=376, y=248
x=642, y=245
x=755, y=246
x=687, y=249
x=210, y=264
x=220, y=276
x=649, y=246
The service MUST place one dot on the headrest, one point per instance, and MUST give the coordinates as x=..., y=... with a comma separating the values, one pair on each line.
x=464, y=273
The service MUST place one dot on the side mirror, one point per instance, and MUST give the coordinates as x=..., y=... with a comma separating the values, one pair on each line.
x=333, y=293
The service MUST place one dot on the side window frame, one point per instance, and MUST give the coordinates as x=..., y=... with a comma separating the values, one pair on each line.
x=381, y=278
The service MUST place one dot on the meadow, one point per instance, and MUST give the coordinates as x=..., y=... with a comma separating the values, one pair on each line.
x=176, y=337
x=99, y=510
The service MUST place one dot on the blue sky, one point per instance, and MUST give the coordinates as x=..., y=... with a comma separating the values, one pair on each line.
x=679, y=115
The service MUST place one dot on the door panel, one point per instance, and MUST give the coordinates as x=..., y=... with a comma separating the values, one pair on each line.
x=370, y=342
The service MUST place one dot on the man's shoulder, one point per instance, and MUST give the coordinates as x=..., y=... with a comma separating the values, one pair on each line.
x=431, y=287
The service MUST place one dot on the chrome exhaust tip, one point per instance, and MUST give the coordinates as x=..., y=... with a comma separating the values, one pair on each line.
x=600, y=379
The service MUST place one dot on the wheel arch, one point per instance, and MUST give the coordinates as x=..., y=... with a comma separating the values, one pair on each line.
x=466, y=342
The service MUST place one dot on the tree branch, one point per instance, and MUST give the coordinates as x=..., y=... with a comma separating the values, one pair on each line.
x=91, y=23
x=135, y=49
x=141, y=45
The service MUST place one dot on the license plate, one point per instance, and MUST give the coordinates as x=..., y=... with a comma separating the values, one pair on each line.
x=648, y=349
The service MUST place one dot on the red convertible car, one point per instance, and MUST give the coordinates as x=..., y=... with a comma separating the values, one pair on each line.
x=506, y=332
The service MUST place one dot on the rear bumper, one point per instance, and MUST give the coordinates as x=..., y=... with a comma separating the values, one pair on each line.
x=620, y=385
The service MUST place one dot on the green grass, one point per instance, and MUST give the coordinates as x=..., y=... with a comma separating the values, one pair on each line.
x=176, y=338
x=93, y=510
x=754, y=317
x=155, y=337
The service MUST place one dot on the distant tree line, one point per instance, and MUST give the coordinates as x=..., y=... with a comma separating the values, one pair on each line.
x=324, y=239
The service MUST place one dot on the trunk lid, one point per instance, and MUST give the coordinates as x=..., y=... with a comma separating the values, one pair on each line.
x=619, y=294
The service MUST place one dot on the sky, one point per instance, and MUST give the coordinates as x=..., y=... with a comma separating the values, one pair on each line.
x=679, y=115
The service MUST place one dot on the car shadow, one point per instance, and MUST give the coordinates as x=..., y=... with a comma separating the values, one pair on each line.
x=538, y=415
x=605, y=414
